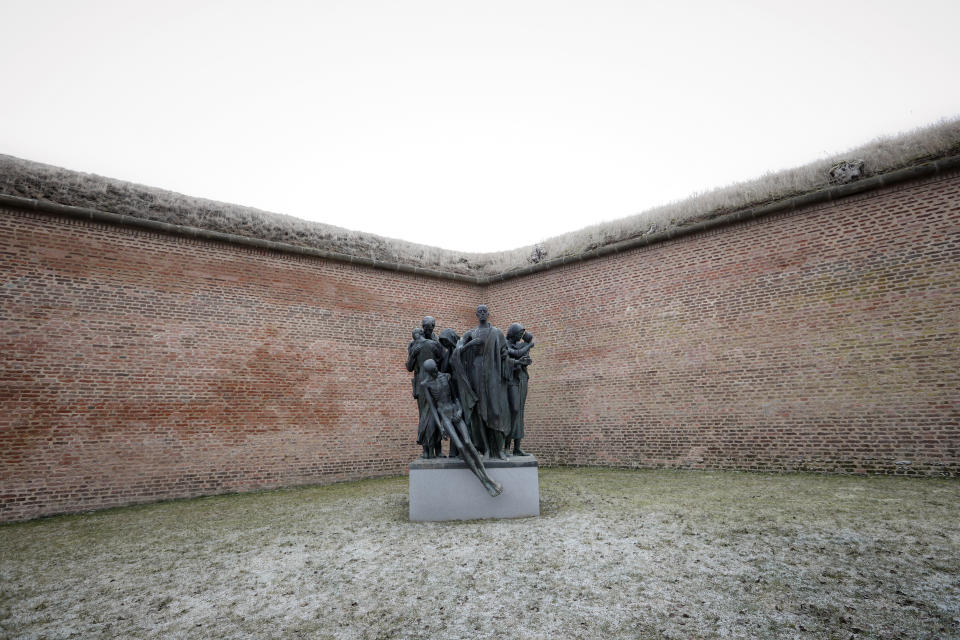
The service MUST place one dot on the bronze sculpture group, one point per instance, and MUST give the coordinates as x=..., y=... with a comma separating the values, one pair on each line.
x=472, y=390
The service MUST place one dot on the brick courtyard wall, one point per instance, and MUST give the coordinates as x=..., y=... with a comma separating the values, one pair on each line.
x=824, y=339
x=139, y=366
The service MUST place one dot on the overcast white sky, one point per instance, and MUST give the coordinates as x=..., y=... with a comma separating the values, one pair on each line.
x=468, y=125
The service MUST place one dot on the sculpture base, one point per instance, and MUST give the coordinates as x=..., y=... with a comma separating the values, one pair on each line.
x=446, y=489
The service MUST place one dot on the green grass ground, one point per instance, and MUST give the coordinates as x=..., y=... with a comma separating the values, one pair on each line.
x=616, y=553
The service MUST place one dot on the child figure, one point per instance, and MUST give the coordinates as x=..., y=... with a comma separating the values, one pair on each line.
x=412, y=348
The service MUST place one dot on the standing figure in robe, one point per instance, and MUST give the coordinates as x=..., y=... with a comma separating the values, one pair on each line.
x=482, y=370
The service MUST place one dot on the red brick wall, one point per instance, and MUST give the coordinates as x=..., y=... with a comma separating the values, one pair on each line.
x=826, y=339
x=140, y=367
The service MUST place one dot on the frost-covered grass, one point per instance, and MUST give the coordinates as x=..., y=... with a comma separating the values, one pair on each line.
x=52, y=184
x=616, y=553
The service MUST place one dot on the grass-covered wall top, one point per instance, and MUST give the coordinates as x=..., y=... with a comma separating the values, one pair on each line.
x=47, y=184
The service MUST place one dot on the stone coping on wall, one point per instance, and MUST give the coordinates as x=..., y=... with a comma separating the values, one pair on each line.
x=916, y=172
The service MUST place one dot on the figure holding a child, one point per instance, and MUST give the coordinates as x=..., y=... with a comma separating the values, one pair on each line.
x=423, y=347
x=519, y=343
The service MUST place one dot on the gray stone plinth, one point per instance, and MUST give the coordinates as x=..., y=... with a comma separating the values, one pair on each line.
x=446, y=489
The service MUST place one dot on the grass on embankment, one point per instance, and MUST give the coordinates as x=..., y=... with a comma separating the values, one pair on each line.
x=37, y=181
x=616, y=553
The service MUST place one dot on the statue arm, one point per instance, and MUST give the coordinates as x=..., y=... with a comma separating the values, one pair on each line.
x=468, y=340
x=453, y=397
x=506, y=362
x=412, y=354
x=523, y=354
x=472, y=342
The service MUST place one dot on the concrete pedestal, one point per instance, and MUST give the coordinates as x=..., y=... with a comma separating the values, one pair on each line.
x=446, y=489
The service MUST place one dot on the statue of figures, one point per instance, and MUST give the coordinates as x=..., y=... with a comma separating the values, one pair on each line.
x=445, y=409
x=519, y=343
x=421, y=349
x=482, y=370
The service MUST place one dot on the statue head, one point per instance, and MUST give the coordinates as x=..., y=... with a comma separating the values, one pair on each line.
x=431, y=368
x=449, y=338
x=417, y=333
x=428, y=325
x=527, y=336
x=483, y=313
x=515, y=332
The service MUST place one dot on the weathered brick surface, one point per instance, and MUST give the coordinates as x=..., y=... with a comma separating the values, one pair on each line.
x=139, y=366
x=825, y=339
